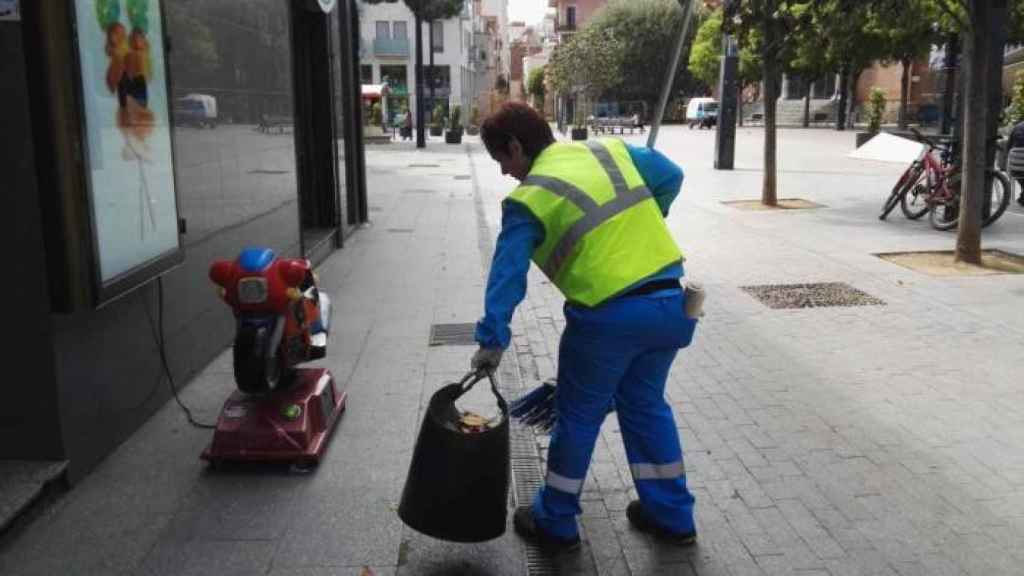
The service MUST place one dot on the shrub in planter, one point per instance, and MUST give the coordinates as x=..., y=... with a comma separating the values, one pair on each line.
x=454, y=133
x=874, y=113
x=437, y=120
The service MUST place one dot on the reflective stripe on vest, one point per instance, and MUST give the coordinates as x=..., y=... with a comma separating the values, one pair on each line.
x=646, y=228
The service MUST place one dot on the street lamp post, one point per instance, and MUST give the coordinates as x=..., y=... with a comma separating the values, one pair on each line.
x=725, y=134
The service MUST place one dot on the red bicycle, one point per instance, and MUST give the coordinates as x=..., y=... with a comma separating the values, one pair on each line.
x=932, y=186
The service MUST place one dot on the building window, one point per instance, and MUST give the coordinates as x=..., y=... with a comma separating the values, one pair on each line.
x=570, y=17
x=399, y=29
x=437, y=33
x=383, y=29
x=366, y=73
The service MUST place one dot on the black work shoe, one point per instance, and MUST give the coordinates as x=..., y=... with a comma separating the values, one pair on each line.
x=639, y=519
x=527, y=528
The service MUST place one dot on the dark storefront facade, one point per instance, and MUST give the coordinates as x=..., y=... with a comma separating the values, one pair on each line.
x=262, y=112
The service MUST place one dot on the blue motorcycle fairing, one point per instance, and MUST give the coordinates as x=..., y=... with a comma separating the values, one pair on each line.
x=256, y=259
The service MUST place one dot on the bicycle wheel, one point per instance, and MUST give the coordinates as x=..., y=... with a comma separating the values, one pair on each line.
x=909, y=176
x=914, y=201
x=999, y=193
x=945, y=214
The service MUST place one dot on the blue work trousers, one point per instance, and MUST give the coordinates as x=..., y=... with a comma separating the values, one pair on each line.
x=621, y=351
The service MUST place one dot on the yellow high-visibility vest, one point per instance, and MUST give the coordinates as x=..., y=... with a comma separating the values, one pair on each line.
x=603, y=231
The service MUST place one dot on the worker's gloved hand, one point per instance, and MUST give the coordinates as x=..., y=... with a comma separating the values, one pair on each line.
x=486, y=359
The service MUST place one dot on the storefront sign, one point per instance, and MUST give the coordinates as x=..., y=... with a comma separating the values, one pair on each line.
x=9, y=10
x=129, y=169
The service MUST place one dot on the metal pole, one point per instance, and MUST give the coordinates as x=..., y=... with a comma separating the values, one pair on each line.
x=670, y=78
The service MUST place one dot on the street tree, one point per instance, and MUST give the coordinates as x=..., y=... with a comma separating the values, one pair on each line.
x=907, y=30
x=706, y=56
x=644, y=30
x=771, y=28
x=587, y=65
x=535, y=87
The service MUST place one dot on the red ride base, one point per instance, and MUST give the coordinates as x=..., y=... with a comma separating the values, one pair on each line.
x=269, y=429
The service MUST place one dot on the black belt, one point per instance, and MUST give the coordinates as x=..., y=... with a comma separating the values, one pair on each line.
x=654, y=286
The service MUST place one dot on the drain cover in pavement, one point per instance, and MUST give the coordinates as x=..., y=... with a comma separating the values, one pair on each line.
x=463, y=177
x=400, y=230
x=452, y=334
x=821, y=295
x=424, y=165
x=417, y=191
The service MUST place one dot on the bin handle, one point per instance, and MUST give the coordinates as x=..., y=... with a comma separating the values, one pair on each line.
x=474, y=376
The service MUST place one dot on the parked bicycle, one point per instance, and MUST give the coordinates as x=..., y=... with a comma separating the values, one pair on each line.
x=932, y=186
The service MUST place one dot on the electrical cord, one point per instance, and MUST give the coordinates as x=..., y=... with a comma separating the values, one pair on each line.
x=163, y=358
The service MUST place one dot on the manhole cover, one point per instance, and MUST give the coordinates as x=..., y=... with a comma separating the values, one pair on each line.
x=452, y=334
x=424, y=165
x=820, y=295
x=463, y=177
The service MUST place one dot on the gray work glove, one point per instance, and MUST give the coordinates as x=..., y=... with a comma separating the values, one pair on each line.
x=486, y=359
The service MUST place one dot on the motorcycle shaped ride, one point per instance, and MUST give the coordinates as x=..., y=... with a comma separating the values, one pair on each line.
x=279, y=412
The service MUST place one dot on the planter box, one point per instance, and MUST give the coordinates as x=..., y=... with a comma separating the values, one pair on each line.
x=453, y=136
x=436, y=130
x=579, y=133
x=473, y=130
x=863, y=137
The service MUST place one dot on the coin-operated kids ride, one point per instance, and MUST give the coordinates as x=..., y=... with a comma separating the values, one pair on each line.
x=280, y=413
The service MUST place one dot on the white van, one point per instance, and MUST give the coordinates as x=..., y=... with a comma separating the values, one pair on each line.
x=197, y=110
x=702, y=112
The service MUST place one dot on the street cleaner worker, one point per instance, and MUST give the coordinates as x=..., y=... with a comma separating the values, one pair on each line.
x=591, y=216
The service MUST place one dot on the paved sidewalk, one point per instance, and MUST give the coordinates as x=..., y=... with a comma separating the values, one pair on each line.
x=153, y=508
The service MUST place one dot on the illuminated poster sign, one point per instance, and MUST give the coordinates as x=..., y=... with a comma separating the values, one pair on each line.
x=130, y=171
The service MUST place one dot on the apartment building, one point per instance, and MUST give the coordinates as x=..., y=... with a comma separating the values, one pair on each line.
x=387, y=56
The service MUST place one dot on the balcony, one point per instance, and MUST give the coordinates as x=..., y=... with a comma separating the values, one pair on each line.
x=391, y=47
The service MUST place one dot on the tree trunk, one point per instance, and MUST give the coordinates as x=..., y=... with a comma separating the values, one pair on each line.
x=421, y=135
x=807, y=105
x=904, y=93
x=769, y=195
x=975, y=114
x=844, y=77
x=739, y=103
x=851, y=100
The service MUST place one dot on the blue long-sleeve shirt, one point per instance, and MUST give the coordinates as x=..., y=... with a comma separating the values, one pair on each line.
x=521, y=232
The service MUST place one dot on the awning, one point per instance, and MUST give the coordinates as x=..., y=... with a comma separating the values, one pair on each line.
x=374, y=91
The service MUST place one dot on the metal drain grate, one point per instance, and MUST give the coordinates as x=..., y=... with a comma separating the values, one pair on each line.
x=452, y=334
x=417, y=191
x=424, y=165
x=261, y=171
x=463, y=177
x=400, y=230
x=819, y=295
x=376, y=209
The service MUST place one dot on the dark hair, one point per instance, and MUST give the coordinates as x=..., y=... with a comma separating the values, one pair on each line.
x=519, y=121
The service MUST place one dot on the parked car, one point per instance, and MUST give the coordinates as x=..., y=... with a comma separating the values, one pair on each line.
x=199, y=110
x=702, y=112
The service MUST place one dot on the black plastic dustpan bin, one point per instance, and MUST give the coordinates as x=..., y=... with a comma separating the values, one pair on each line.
x=457, y=487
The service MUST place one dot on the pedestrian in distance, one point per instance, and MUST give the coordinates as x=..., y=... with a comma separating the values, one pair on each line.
x=591, y=216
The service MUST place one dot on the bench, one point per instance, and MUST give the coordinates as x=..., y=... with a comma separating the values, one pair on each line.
x=269, y=123
x=612, y=124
